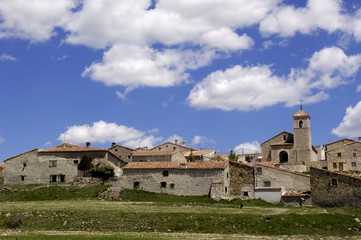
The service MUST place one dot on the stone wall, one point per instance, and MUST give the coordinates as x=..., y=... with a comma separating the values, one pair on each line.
x=175, y=181
x=266, y=146
x=124, y=153
x=241, y=180
x=331, y=189
x=345, y=157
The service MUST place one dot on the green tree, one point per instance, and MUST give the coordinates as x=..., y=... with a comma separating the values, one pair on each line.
x=191, y=157
x=232, y=156
x=85, y=163
x=102, y=172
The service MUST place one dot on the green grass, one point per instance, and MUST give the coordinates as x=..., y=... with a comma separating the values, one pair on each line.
x=144, y=215
x=51, y=192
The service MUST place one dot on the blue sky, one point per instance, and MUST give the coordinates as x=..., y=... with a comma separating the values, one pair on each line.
x=217, y=74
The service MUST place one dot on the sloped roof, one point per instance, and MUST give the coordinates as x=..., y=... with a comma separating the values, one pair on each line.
x=301, y=113
x=177, y=165
x=197, y=153
x=179, y=145
x=342, y=140
x=284, y=132
x=2, y=165
x=117, y=145
x=154, y=153
x=68, y=147
x=272, y=165
x=282, y=144
x=35, y=149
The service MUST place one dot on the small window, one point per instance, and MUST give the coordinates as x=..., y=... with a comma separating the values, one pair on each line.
x=24, y=165
x=165, y=173
x=62, y=178
x=172, y=186
x=226, y=190
x=240, y=175
x=354, y=154
x=259, y=170
x=163, y=184
x=52, y=163
x=227, y=175
x=266, y=183
x=334, y=165
x=174, y=148
x=339, y=154
x=22, y=178
x=334, y=182
x=284, y=137
x=76, y=162
x=245, y=194
x=128, y=156
x=136, y=185
x=300, y=123
x=53, y=178
x=116, y=150
x=159, y=148
x=353, y=164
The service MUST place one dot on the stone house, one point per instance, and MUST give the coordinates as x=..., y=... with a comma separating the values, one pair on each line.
x=269, y=175
x=56, y=164
x=293, y=151
x=122, y=152
x=241, y=182
x=158, y=156
x=344, y=155
x=200, y=155
x=178, y=178
x=173, y=146
x=332, y=189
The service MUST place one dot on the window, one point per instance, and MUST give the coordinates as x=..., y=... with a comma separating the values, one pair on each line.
x=227, y=175
x=57, y=178
x=339, y=154
x=259, y=170
x=24, y=165
x=174, y=148
x=300, y=123
x=52, y=163
x=53, y=178
x=76, y=162
x=284, y=137
x=172, y=186
x=226, y=190
x=245, y=194
x=22, y=178
x=62, y=178
x=334, y=165
x=334, y=182
x=128, y=156
x=266, y=183
x=240, y=175
x=354, y=154
x=163, y=184
x=353, y=164
x=165, y=173
x=136, y=185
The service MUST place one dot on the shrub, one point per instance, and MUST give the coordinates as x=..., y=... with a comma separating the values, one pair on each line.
x=103, y=172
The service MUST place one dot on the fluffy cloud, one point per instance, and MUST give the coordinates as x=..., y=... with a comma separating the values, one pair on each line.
x=175, y=137
x=32, y=20
x=201, y=140
x=326, y=14
x=249, y=88
x=7, y=57
x=103, y=132
x=248, y=147
x=351, y=123
x=2, y=139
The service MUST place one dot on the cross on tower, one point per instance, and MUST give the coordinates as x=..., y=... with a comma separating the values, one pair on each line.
x=301, y=101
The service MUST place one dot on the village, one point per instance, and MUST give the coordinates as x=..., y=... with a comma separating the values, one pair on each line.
x=289, y=169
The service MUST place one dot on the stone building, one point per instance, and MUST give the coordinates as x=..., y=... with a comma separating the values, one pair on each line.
x=57, y=164
x=269, y=175
x=158, y=156
x=344, y=155
x=331, y=189
x=173, y=146
x=123, y=153
x=2, y=172
x=241, y=182
x=187, y=178
x=293, y=151
x=200, y=155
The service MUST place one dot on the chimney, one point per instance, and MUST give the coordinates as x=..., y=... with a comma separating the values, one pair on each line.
x=113, y=144
x=146, y=148
x=183, y=143
x=87, y=144
x=176, y=141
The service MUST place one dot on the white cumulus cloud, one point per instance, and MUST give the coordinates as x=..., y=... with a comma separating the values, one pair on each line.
x=248, y=147
x=7, y=57
x=254, y=87
x=103, y=132
x=202, y=140
x=351, y=123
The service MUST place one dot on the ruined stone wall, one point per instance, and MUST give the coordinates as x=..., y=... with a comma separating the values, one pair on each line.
x=241, y=180
x=330, y=189
x=178, y=181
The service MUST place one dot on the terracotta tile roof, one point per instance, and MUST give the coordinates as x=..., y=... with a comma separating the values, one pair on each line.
x=67, y=147
x=177, y=165
x=301, y=113
x=296, y=194
x=197, y=153
x=2, y=165
x=154, y=153
x=272, y=165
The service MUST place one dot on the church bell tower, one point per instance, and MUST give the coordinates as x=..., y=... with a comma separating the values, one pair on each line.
x=302, y=137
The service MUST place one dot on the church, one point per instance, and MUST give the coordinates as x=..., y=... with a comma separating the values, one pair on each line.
x=292, y=151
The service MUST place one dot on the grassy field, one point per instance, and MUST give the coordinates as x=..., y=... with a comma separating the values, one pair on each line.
x=142, y=215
